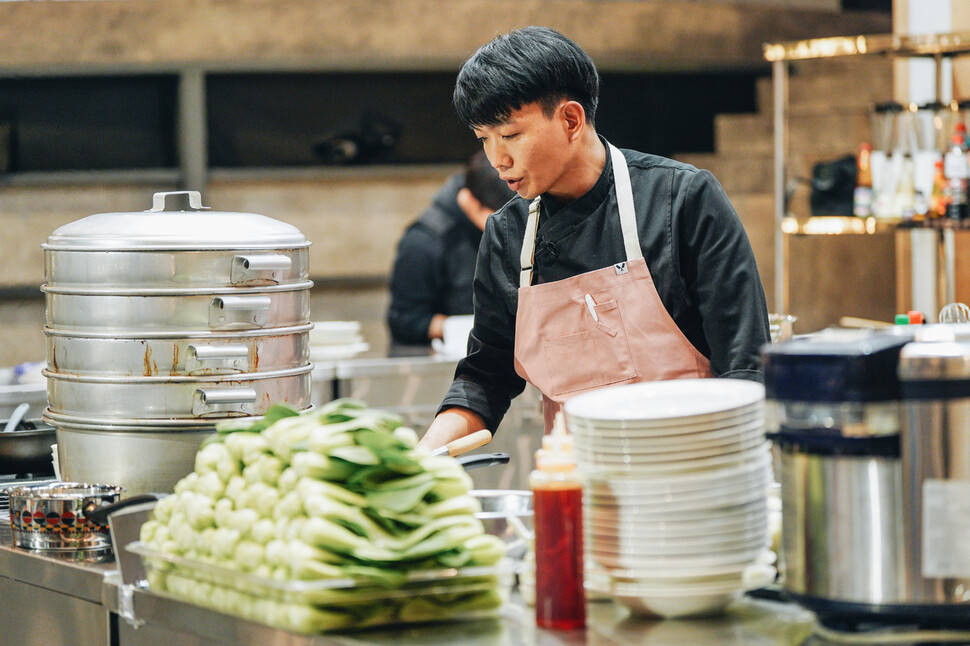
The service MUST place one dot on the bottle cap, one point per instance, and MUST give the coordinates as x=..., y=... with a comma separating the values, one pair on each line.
x=915, y=317
x=556, y=453
x=902, y=319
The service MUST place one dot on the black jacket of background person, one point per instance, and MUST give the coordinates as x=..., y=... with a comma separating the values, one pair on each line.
x=697, y=251
x=433, y=271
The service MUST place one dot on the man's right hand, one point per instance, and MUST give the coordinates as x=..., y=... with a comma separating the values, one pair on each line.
x=449, y=425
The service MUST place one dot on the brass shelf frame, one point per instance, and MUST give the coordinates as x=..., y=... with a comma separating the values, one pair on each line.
x=935, y=46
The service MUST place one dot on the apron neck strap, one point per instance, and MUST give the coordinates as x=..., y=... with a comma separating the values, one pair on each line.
x=624, y=200
x=628, y=219
x=529, y=244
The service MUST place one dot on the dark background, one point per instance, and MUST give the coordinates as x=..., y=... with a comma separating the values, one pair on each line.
x=254, y=120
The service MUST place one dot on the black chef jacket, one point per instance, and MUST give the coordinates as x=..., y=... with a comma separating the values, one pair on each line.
x=433, y=270
x=694, y=245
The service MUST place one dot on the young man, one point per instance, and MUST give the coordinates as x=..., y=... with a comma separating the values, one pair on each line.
x=435, y=262
x=615, y=267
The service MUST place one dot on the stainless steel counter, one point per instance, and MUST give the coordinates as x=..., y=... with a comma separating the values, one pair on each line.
x=51, y=600
x=748, y=623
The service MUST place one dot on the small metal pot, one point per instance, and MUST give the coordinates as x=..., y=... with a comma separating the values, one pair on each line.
x=28, y=449
x=55, y=517
x=508, y=515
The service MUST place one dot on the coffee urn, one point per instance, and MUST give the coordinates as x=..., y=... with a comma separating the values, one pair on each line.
x=834, y=413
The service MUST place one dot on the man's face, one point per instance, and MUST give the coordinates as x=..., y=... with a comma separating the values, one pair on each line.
x=529, y=150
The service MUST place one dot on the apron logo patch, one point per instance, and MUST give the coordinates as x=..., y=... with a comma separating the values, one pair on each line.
x=620, y=268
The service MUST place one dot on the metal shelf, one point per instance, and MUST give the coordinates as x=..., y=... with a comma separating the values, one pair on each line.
x=935, y=46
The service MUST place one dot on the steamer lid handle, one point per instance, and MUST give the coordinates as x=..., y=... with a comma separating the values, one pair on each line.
x=177, y=201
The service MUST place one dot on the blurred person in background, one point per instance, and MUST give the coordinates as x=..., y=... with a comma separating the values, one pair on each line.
x=435, y=264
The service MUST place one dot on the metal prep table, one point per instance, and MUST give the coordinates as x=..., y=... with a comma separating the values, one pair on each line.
x=46, y=600
x=748, y=623
x=50, y=599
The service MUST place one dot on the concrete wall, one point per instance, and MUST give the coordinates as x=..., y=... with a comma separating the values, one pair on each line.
x=354, y=218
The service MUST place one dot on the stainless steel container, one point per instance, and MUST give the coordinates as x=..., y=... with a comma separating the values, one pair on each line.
x=198, y=310
x=935, y=380
x=836, y=417
x=177, y=397
x=147, y=462
x=163, y=322
x=177, y=244
x=185, y=354
x=54, y=517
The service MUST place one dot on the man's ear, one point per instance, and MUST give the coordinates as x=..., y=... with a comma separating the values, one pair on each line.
x=574, y=119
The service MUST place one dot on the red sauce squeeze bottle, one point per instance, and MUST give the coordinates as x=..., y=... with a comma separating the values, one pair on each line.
x=558, y=516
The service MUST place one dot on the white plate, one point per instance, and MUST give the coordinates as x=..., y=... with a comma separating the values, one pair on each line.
x=646, y=439
x=681, y=467
x=639, y=543
x=709, y=531
x=712, y=478
x=646, y=566
x=687, y=452
x=675, y=549
x=661, y=427
x=677, y=398
x=630, y=507
x=751, y=512
x=665, y=491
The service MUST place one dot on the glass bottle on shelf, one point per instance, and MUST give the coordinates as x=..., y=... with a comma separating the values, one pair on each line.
x=955, y=169
x=862, y=196
x=904, y=205
x=939, y=197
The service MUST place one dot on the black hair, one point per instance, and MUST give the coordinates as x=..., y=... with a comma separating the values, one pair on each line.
x=533, y=64
x=484, y=183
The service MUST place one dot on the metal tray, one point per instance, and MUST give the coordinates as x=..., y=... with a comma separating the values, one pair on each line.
x=351, y=603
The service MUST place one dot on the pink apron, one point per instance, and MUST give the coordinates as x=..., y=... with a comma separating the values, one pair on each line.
x=600, y=328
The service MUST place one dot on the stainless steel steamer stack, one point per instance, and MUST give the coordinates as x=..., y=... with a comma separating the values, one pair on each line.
x=161, y=324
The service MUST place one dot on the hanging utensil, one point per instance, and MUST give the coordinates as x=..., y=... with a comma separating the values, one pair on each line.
x=480, y=460
x=955, y=313
x=16, y=417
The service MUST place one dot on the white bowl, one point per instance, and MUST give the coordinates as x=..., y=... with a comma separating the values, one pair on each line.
x=689, y=399
x=690, y=599
x=643, y=566
x=684, y=571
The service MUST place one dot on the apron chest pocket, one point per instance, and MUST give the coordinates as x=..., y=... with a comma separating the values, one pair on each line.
x=591, y=358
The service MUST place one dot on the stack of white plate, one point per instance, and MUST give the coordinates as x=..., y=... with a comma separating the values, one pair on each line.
x=333, y=340
x=675, y=505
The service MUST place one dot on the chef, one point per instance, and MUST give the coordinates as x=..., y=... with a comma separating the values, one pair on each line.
x=614, y=267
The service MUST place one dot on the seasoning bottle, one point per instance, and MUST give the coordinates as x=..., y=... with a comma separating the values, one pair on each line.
x=955, y=169
x=939, y=197
x=557, y=500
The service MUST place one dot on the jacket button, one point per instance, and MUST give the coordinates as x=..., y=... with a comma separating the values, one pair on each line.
x=553, y=249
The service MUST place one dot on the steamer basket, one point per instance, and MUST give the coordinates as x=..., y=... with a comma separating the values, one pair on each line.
x=188, y=354
x=177, y=397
